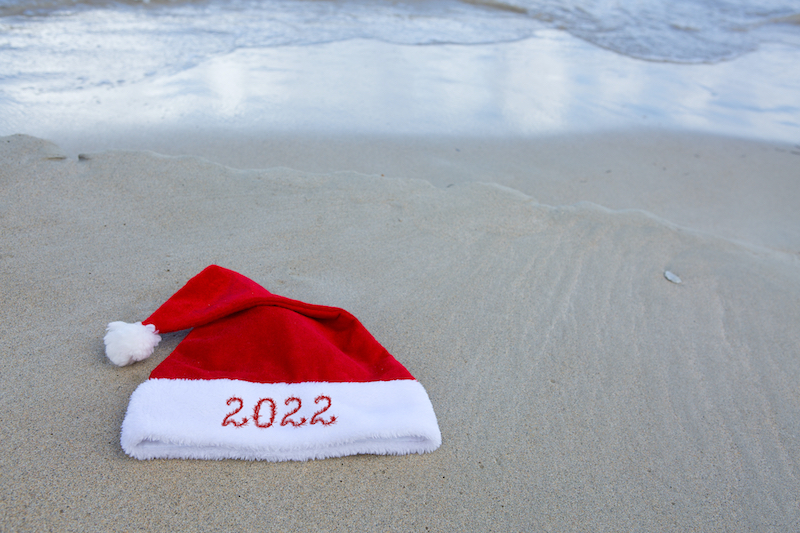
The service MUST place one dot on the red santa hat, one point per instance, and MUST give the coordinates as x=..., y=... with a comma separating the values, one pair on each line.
x=264, y=377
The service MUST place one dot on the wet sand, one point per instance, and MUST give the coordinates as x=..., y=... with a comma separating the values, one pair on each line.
x=576, y=387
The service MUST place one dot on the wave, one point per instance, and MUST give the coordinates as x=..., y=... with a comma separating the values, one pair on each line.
x=684, y=31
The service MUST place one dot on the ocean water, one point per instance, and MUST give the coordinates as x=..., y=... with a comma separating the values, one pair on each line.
x=687, y=31
x=721, y=65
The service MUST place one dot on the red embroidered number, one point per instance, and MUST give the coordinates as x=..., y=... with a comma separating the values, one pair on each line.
x=322, y=421
x=228, y=419
x=263, y=421
x=257, y=412
x=286, y=420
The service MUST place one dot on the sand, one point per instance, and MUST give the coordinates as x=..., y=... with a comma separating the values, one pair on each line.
x=739, y=189
x=577, y=389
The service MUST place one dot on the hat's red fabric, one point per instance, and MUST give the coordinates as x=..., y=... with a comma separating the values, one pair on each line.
x=242, y=331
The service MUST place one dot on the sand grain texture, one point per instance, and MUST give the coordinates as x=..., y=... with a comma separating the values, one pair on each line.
x=576, y=388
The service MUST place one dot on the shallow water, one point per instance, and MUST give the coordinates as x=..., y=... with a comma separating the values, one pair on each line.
x=88, y=71
x=551, y=84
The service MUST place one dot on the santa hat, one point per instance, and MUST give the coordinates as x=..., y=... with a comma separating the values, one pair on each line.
x=261, y=376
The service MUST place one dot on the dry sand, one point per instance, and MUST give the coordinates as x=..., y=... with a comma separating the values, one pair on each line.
x=577, y=389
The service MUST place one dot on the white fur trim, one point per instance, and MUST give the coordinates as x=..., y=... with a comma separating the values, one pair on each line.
x=128, y=343
x=183, y=419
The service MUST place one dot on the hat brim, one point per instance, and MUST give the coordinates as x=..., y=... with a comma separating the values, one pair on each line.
x=232, y=419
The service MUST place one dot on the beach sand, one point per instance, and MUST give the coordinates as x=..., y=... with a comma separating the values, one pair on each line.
x=577, y=389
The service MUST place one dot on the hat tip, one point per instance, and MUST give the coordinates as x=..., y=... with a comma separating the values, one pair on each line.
x=128, y=343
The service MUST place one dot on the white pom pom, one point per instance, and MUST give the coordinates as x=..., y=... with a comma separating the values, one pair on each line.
x=128, y=343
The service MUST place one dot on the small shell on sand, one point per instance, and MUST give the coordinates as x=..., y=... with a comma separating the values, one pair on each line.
x=671, y=277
